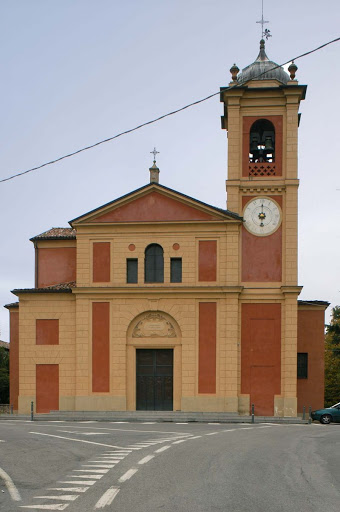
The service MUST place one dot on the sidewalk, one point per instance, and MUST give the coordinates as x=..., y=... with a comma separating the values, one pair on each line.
x=156, y=416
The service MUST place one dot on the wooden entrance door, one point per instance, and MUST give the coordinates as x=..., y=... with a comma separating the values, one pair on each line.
x=154, y=379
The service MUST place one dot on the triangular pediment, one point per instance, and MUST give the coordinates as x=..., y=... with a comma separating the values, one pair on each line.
x=154, y=203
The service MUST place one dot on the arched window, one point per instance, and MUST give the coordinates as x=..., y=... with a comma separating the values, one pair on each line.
x=262, y=141
x=154, y=264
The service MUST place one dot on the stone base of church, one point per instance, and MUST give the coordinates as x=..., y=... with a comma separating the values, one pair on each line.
x=285, y=407
x=209, y=404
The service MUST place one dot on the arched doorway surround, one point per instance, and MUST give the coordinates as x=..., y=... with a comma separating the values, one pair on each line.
x=153, y=330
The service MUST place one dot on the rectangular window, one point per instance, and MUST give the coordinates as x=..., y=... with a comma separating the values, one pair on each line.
x=302, y=365
x=176, y=270
x=132, y=270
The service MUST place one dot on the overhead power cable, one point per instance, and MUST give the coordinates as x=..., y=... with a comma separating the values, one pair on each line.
x=86, y=148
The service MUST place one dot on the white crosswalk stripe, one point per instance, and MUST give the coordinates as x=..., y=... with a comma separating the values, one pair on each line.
x=52, y=506
x=102, y=471
x=69, y=489
x=63, y=497
x=94, y=477
x=78, y=482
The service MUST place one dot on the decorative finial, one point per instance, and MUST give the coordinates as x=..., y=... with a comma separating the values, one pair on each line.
x=234, y=70
x=155, y=152
x=292, y=70
x=154, y=171
x=265, y=32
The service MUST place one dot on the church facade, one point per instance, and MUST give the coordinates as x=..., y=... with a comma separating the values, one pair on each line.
x=158, y=301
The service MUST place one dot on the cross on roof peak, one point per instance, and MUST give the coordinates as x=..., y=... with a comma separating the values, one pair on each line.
x=265, y=32
x=154, y=152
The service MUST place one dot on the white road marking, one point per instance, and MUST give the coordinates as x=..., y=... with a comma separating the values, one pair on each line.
x=140, y=446
x=109, y=466
x=114, y=462
x=266, y=426
x=118, y=452
x=230, y=430
x=65, y=497
x=87, y=421
x=148, y=423
x=146, y=459
x=94, y=477
x=128, y=475
x=102, y=471
x=77, y=440
x=107, y=497
x=121, y=422
x=84, y=433
x=195, y=437
x=56, y=421
x=2, y=441
x=148, y=443
x=56, y=506
x=184, y=423
x=78, y=482
x=160, y=450
x=13, y=491
x=72, y=489
x=212, y=434
x=180, y=441
x=112, y=456
x=214, y=423
x=123, y=429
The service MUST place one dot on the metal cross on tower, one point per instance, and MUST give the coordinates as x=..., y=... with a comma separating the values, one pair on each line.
x=155, y=152
x=265, y=32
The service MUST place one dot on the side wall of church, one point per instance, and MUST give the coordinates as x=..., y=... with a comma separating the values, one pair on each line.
x=34, y=307
x=311, y=343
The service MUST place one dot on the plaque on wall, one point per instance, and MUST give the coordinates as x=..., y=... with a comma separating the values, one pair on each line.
x=154, y=325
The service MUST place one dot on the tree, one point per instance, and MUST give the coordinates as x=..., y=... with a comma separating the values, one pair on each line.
x=332, y=359
x=4, y=376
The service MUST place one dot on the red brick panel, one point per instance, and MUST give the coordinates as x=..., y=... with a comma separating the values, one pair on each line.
x=261, y=355
x=207, y=260
x=100, y=347
x=311, y=340
x=55, y=266
x=47, y=385
x=154, y=207
x=14, y=360
x=47, y=332
x=207, y=348
x=261, y=255
x=101, y=262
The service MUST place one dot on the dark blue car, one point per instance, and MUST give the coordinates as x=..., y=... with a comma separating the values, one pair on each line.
x=328, y=414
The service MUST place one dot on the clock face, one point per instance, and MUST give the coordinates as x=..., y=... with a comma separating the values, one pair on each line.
x=262, y=216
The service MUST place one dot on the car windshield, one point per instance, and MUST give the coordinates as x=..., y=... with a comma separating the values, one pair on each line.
x=335, y=405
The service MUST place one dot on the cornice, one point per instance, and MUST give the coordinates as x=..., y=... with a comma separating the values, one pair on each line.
x=160, y=292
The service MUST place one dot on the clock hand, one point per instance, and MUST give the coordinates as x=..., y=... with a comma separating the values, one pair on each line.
x=262, y=216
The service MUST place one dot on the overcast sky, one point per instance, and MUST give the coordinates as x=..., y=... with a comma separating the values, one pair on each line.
x=74, y=72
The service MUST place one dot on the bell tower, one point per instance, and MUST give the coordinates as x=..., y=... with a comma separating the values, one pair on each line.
x=261, y=117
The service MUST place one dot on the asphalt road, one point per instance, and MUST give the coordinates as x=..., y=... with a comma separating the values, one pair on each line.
x=123, y=467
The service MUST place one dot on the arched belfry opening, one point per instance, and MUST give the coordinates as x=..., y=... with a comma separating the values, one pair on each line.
x=262, y=142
